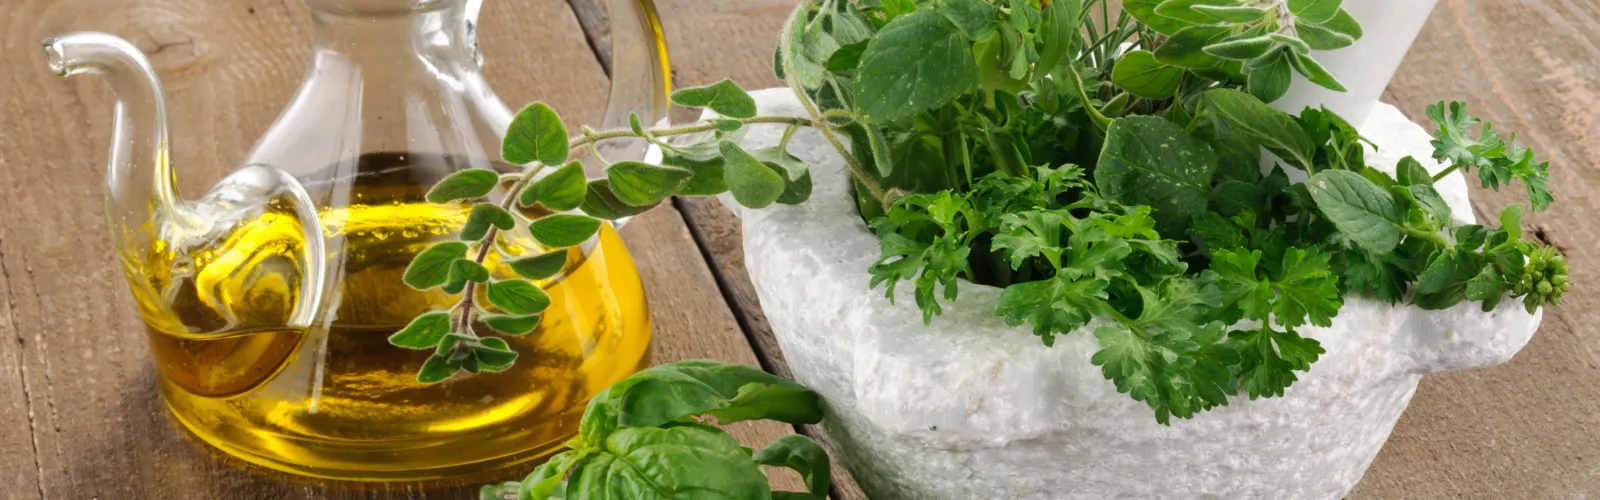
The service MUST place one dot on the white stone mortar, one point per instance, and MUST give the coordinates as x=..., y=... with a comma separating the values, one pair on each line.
x=969, y=408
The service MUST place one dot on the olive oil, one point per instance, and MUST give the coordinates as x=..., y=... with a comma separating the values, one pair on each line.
x=335, y=399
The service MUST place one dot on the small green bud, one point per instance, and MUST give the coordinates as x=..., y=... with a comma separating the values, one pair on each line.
x=1545, y=288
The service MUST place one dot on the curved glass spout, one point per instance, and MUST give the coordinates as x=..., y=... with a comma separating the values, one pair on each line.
x=139, y=181
x=195, y=266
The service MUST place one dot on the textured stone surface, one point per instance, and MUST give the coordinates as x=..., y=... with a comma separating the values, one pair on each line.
x=969, y=408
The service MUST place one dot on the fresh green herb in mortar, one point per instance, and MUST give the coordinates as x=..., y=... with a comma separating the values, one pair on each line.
x=1091, y=165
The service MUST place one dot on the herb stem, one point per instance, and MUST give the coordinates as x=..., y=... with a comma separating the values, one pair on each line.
x=469, y=293
x=1441, y=175
x=596, y=137
x=816, y=117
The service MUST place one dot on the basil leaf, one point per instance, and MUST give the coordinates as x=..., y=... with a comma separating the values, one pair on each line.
x=802, y=455
x=1148, y=160
x=724, y=97
x=1366, y=213
x=696, y=461
x=918, y=62
x=518, y=297
x=563, y=230
x=562, y=190
x=535, y=134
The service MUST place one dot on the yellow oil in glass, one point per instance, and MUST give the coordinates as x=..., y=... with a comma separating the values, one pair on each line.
x=337, y=400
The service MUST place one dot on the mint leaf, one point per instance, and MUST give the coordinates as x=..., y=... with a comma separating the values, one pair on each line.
x=1148, y=160
x=975, y=18
x=642, y=184
x=1411, y=173
x=724, y=97
x=482, y=216
x=563, y=230
x=432, y=267
x=540, y=266
x=1254, y=119
x=560, y=191
x=463, y=185
x=518, y=297
x=424, y=332
x=535, y=134
x=1366, y=213
x=917, y=62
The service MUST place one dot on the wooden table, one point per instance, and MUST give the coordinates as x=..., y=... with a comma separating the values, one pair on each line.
x=79, y=412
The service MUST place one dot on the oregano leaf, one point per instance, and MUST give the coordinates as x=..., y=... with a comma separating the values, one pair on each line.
x=541, y=266
x=493, y=354
x=437, y=368
x=562, y=190
x=1314, y=72
x=424, y=331
x=469, y=270
x=600, y=202
x=463, y=185
x=724, y=97
x=641, y=184
x=518, y=297
x=482, y=216
x=752, y=183
x=432, y=267
x=511, y=324
x=563, y=230
x=535, y=134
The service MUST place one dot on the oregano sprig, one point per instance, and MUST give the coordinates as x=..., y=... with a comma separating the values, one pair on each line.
x=538, y=139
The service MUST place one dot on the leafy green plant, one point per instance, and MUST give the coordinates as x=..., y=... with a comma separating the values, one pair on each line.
x=649, y=437
x=1091, y=165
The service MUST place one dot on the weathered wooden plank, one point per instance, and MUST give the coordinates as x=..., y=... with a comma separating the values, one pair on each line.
x=1525, y=429
x=77, y=382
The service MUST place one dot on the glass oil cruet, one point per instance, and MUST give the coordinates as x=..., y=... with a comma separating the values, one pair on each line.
x=269, y=301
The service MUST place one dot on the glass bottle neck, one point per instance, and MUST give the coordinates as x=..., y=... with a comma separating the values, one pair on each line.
x=439, y=39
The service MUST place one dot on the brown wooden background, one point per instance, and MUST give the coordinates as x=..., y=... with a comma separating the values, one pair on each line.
x=79, y=412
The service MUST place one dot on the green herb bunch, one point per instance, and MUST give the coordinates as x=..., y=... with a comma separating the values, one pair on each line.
x=1091, y=165
x=649, y=437
x=1119, y=178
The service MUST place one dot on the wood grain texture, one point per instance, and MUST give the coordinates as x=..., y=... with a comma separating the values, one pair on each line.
x=80, y=416
x=1528, y=428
